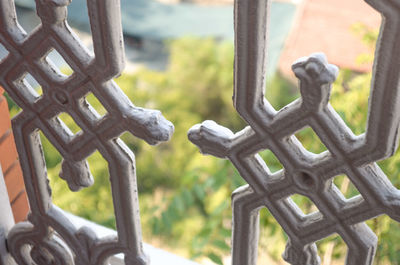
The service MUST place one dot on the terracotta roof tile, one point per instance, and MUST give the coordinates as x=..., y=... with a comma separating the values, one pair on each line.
x=326, y=26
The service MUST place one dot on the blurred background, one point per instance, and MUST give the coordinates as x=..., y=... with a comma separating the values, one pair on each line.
x=180, y=61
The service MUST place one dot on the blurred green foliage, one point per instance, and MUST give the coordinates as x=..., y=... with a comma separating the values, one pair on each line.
x=185, y=196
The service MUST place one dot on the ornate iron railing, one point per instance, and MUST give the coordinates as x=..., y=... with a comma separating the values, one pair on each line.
x=50, y=238
x=306, y=173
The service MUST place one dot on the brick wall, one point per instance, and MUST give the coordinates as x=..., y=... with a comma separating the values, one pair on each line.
x=10, y=164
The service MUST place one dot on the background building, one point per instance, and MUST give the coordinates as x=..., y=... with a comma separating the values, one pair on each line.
x=328, y=26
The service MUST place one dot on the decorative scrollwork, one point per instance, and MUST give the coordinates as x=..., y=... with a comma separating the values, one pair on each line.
x=29, y=245
x=48, y=237
x=306, y=173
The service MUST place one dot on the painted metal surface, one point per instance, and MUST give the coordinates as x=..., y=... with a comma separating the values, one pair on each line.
x=305, y=173
x=49, y=237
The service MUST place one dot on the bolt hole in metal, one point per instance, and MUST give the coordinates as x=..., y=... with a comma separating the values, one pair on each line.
x=305, y=181
x=61, y=98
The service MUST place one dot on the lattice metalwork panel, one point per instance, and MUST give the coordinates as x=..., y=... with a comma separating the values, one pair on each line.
x=48, y=237
x=305, y=173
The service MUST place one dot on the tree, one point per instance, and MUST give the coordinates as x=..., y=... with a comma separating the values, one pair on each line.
x=185, y=196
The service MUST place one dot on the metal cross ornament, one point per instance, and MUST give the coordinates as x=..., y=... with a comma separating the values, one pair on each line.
x=305, y=173
x=48, y=237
